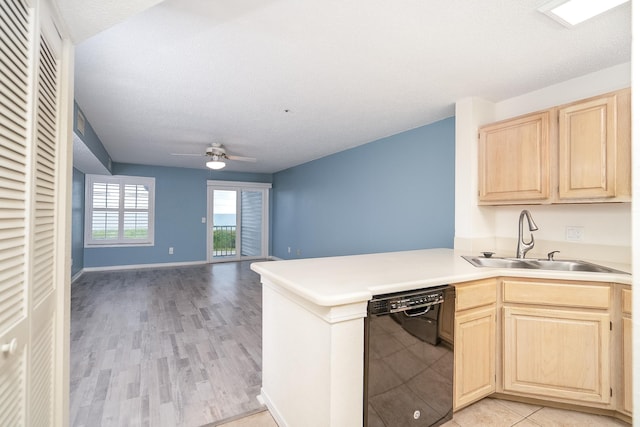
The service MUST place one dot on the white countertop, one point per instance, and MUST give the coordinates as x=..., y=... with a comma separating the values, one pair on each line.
x=334, y=281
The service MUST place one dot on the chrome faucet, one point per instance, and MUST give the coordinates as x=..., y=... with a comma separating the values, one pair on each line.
x=524, y=247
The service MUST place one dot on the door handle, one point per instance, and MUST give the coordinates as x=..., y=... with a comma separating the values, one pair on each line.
x=10, y=348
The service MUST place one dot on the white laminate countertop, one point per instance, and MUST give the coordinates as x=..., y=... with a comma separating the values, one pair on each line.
x=334, y=281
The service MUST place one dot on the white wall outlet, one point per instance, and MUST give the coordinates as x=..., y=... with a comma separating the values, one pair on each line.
x=288, y=249
x=574, y=233
x=170, y=250
x=204, y=220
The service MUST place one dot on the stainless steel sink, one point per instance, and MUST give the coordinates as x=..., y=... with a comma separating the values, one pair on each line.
x=540, y=264
x=498, y=262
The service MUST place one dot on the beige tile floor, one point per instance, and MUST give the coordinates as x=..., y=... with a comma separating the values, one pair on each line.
x=260, y=419
x=498, y=413
x=487, y=412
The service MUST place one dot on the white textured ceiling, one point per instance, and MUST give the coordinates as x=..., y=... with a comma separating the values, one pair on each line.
x=186, y=73
x=87, y=18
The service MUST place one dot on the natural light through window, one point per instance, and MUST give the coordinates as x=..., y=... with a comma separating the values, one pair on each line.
x=119, y=210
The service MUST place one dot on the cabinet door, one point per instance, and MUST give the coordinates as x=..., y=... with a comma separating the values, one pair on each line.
x=587, y=149
x=514, y=159
x=557, y=354
x=627, y=361
x=627, y=371
x=475, y=355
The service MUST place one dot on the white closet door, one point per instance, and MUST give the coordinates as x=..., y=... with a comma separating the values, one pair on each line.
x=44, y=215
x=15, y=87
x=30, y=136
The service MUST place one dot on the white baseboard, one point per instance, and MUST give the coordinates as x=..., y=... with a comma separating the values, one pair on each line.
x=144, y=266
x=77, y=275
x=272, y=409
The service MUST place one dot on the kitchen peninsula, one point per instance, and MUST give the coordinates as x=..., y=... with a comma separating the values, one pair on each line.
x=313, y=327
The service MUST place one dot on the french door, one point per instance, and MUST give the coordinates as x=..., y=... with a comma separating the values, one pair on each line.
x=237, y=220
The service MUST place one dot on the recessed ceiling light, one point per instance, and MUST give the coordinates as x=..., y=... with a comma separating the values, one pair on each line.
x=572, y=12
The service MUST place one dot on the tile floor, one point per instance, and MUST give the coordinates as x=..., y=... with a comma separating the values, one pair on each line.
x=260, y=419
x=486, y=413
x=498, y=413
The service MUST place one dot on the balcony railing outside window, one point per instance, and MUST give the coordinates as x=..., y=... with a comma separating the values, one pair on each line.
x=224, y=240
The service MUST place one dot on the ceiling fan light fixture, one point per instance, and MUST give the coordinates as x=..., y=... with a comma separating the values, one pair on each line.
x=573, y=12
x=215, y=163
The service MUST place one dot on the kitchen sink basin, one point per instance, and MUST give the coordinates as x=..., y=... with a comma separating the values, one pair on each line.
x=498, y=262
x=540, y=264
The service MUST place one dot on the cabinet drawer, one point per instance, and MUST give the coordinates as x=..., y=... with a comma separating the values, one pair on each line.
x=475, y=294
x=584, y=295
x=626, y=301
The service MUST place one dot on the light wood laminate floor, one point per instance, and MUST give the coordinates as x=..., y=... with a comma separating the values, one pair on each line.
x=165, y=347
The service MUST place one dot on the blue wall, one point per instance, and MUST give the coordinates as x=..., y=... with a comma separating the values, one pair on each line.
x=77, y=222
x=180, y=204
x=396, y=193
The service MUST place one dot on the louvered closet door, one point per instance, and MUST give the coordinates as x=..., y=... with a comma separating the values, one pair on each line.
x=44, y=214
x=15, y=46
x=29, y=93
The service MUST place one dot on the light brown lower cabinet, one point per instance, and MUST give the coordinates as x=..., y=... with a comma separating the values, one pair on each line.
x=445, y=323
x=557, y=354
x=559, y=341
x=627, y=364
x=474, y=342
x=475, y=356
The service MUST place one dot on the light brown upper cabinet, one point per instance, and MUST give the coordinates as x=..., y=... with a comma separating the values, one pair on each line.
x=594, y=148
x=514, y=159
x=574, y=153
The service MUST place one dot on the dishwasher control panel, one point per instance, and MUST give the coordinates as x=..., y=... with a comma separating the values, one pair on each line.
x=392, y=303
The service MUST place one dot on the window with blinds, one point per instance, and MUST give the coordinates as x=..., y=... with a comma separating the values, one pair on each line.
x=119, y=210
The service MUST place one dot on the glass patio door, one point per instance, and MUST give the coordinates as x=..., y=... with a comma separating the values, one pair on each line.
x=237, y=220
x=225, y=223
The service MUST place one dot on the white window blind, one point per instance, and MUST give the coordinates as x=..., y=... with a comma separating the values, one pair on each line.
x=119, y=210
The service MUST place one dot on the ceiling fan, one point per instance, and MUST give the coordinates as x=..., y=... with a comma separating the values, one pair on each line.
x=217, y=155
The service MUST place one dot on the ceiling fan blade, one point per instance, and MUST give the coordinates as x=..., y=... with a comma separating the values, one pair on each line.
x=187, y=154
x=241, y=159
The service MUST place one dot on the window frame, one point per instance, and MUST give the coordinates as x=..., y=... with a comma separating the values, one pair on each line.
x=121, y=180
x=238, y=186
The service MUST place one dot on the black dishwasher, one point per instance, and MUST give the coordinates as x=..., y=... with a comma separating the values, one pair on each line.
x=408, y=360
